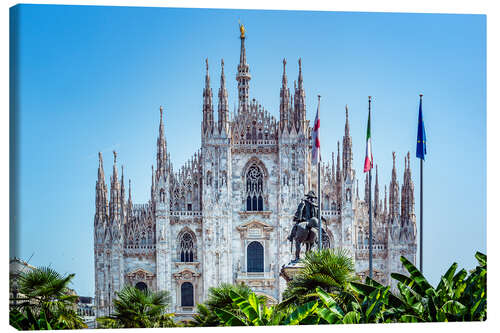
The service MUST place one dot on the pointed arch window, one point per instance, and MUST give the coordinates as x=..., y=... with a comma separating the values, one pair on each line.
x=255, y=257
x=186, y=247
x=254, y=189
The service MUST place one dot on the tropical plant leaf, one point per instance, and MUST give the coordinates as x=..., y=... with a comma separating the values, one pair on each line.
x=416, y=275
x=351, y=317
x=301, y=313
x=481, y=258
x=228, y=318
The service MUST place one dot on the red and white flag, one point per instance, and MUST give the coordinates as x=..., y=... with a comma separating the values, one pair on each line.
x=315, y=139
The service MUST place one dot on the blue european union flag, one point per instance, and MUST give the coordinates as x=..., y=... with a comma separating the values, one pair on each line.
x=421, y=139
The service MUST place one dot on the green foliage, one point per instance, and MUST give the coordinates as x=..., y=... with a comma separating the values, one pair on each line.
x=47, y=302
x=219, y=297
x=458, y=297
x=252, y=311
x=135, y=308
x=330, y=269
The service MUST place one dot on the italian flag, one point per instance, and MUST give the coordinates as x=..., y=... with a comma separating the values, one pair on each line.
x=315, y=138
x=368, y=156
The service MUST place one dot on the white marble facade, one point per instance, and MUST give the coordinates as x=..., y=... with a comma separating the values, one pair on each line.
x=225, y=215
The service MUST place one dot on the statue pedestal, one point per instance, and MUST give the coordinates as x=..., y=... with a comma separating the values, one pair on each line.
x=289, y=271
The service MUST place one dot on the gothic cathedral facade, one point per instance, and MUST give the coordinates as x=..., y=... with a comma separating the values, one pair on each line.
x=226, y=214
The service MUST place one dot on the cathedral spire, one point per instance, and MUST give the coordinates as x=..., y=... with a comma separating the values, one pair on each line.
x=129, y=194
x=115, y=171
x=333, y=167
x=223, y=112
x=100, y=170
x=394, y=205
x=115, y=195
x=208, y=110
x=301, y=80
x=338, y=163
x=385, y=200
x=101, y=194
x=152, y=183
x=161, y=148
x=347, y=148
x=243, y=76
x=300, y=102
x=407, y=194
x=284, y=101
x=122, y=188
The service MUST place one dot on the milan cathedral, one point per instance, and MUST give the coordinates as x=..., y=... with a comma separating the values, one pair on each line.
x=226, y=214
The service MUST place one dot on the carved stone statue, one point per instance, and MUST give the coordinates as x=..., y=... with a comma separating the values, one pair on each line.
x=305, y=220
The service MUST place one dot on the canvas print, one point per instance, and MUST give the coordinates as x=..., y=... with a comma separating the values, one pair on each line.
x=176, y=167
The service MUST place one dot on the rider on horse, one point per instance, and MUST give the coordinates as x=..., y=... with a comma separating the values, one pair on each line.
x=307, y=209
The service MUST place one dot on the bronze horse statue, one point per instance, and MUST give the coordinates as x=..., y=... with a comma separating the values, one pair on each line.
x=306, y=233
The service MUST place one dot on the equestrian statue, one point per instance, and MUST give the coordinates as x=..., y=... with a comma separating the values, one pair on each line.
x=306, y=225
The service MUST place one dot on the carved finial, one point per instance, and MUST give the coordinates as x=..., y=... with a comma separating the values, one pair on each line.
x=222, y=64
x=300, y=64
x=114, y=154
x=100, y=157
x=408, y=159
x=394, y=158
x=161, y=112
x=206, y=64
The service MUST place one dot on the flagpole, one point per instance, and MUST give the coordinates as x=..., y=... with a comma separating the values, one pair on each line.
x=370, y=206
x=319, y=189
x=421, y=209
x=421, y=215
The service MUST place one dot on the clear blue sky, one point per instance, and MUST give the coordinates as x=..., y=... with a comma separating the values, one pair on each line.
x=92, y=79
